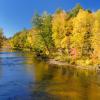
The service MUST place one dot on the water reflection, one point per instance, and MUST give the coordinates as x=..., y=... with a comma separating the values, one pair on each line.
x=22, y=77
x=65, y=83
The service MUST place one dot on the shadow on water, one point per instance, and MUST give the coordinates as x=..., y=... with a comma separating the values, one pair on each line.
x=22, y=77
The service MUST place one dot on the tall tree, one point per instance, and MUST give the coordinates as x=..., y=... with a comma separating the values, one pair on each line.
x=59, y=28
x=96, y=34
x=81, y=37
x=44, y=30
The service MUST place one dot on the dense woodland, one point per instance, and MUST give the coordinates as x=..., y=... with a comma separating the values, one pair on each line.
x=72, y=36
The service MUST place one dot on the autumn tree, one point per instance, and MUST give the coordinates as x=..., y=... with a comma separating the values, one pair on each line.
x=96, y=34
x=22, y=40
x=81, y=37
x=59, y=28
x=62, y=27
x=44, y=31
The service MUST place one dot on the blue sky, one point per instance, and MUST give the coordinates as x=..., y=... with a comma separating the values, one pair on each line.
x=17, y=14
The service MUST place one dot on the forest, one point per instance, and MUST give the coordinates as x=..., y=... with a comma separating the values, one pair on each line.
x=70, y=36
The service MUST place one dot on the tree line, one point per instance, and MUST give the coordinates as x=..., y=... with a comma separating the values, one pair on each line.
x=71, y=36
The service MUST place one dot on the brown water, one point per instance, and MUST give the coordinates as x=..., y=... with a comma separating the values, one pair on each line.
x=22, y=77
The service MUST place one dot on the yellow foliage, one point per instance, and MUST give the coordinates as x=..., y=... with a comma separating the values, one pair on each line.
x=59, y=28
x=82, y=24
x=96, y=34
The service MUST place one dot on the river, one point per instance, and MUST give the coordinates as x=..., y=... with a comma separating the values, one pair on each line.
x=22, y=77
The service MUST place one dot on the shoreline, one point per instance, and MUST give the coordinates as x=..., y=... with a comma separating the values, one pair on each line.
x=62, y=63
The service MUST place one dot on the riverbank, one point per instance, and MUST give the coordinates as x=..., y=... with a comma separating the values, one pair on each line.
x=62, y=63
x=53, y=61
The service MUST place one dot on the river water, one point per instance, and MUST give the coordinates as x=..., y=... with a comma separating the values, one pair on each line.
x=22, y=77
